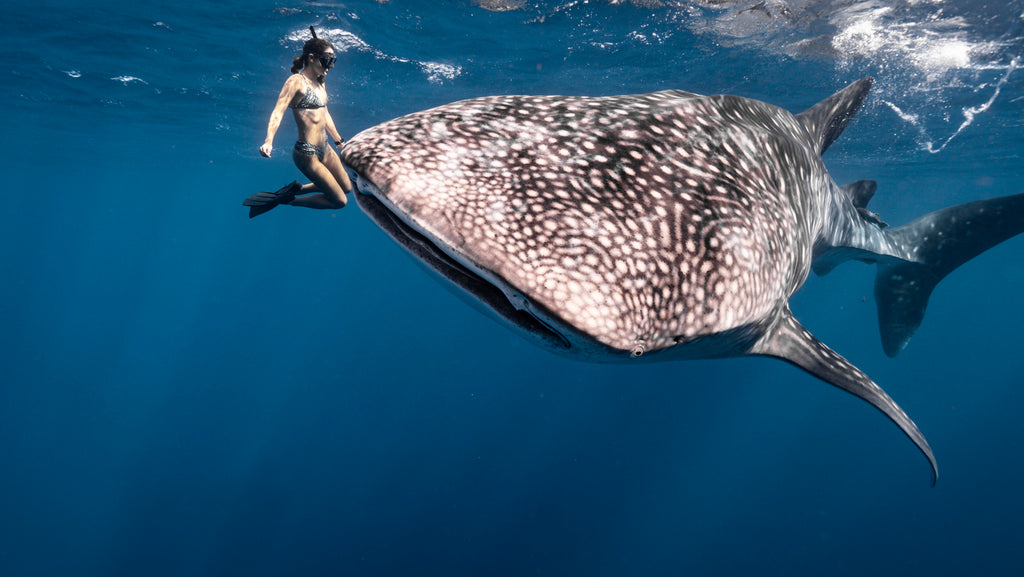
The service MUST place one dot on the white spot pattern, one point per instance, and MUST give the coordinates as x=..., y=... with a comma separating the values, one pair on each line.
x=642, y=221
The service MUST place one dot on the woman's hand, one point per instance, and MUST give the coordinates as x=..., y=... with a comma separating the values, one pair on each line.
x=266, y=149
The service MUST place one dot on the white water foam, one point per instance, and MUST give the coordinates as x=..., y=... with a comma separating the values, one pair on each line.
x=969, y=114
x=924, y=54
x=126, y=80
x=927, y=40
x=345, y=41
x=921, y=54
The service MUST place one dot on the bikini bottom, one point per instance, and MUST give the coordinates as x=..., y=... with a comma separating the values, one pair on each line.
x=303, y=148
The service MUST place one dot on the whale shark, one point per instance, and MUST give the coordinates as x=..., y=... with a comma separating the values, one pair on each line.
x=660, y=226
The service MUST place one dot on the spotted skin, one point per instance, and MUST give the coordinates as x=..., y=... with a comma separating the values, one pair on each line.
x=665, y=225
x=582, y=205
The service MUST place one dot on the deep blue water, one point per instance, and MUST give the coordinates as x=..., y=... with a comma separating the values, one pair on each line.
x=188, y=392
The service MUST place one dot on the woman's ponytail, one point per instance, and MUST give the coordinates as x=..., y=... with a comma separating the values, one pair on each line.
x=297, y=64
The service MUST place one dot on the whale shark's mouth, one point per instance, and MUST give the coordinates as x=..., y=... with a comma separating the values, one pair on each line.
x=429, y=255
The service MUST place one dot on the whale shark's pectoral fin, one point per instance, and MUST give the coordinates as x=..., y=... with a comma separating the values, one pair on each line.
x=789, y=341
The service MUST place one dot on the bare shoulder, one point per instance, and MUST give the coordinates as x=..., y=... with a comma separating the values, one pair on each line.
x=290, y=88
x=294, y=82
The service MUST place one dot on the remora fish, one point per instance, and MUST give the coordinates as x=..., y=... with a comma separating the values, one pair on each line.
x=658, y=226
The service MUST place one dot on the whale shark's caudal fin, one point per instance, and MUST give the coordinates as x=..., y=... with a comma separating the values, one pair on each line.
x=786, y=339
x=826, y=120
x=934, y=246
x=927, y=249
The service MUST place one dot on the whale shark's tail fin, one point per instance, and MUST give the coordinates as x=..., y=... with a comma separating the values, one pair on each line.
x=934, y=246
x=826, y=120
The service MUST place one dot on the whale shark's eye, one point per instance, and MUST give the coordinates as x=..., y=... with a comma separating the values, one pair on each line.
x=638, y=350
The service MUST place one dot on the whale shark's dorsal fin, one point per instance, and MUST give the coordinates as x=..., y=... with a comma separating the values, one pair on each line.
x=786, y=339
x=826, y=120
x=860, y=192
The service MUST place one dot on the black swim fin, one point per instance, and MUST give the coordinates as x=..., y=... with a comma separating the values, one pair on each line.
x=264, y=201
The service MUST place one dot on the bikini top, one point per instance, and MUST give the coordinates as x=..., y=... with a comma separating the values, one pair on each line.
x=311, y=99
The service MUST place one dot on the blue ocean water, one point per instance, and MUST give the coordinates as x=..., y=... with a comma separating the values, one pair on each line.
x=186, y=391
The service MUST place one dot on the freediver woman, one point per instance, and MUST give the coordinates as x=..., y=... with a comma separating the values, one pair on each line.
x=305, y=93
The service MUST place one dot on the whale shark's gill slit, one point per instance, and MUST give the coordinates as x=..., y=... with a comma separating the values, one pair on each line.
x=436, y=261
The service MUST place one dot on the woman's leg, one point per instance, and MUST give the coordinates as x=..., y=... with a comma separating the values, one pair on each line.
x=333, y=164
x=325, y=180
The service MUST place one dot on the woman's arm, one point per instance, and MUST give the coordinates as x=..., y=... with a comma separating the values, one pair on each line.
x=283, y=100
x=331, y=129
